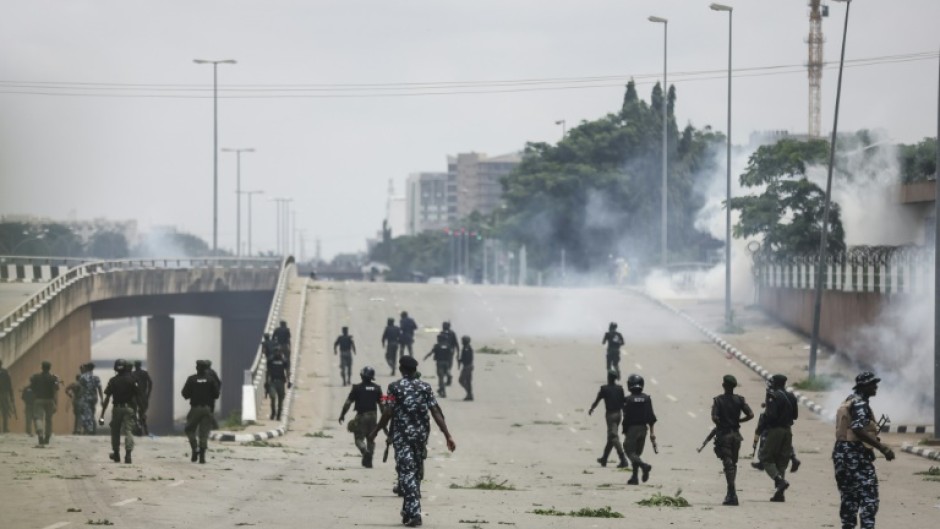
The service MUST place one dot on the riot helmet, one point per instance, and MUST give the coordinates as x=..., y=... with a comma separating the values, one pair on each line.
x=635, y=383
x=367, y=373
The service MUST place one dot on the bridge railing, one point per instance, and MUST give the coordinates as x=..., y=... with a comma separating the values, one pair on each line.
x=274, y=317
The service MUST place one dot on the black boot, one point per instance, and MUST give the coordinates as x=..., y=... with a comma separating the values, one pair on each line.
x=602, y=461
x=367, y=460
x=194, y=452
x=115, y=456
x=780, y=485
x=731, y=498
x=794, y=463
x=633, y=479
x=646, y=471
x=127, y=457
x=202, y=456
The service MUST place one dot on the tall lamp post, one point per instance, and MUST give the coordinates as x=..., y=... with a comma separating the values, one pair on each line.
x=238, y=196
x=250, y=194
x=665, y=23
x=936, y=286
x=564, y=127
x=215, y=147
x=821, y=258
x=728, y=322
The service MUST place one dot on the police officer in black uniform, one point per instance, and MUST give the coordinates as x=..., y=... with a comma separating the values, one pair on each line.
x=366, y=397
x=267, y=346
x=408, y=327
x=442, y=355
x=727, y=409
x=346, y=348
x=638, y=417
x=781, y=410
x=390, y=339
x=201, y=390
x=613, y=397
x=126, y=392
x=465, y=365
x=45, y=389
x=278, y=376
x=281, y=337
x=145, y=383
x=453, y=346
x=614, y=341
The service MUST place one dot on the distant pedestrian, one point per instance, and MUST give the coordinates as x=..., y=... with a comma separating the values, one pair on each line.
x=853, y=456
x=74, y=392
x=346, y=348
x=366, y=397
x=278, y=380
x=452, y=346
x=45, y=388
x=781, y=411
x=638, y=417
x=281, y=337
x=407, y=405
x=145, y=383
x=614, y=341
x=91, y=394
x=441, y=354
x=200, y=390
x=614, y=398
x=390, y=338
x=727, y=411
x=125, y=391
x=7, y=399
x=28, y=399
x=465, y=365
x=408, y=328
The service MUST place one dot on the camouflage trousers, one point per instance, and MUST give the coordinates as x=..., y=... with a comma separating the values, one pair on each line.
x=123, y=421
x=857, y=482
x=409, y=462
x=87, y=415
x=360, y=427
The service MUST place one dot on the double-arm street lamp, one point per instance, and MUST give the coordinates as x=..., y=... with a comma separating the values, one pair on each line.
x=665, y=23
x=238, y=196
x=215, y=146
x=728, y=322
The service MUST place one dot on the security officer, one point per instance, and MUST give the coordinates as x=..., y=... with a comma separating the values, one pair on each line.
x=45, y=388
x=366, y=397
x=145, y=383
x=201, y=390
x=346, y=348
x=781, y=411
x=452, y=345
x=126, y=392
x=267, y=346
x=7, y=399
x=390, y=339
x=281, y=336
x=853, y=457
x=74, y=392
x=727, y=409
x=408, y=328
x=638, y=417
x=218, y=381
x=465, y=365
x=278, y=376
x=613, y=397
x=91, y=394
x=442, y=355
x=407, y=405
x=28, y=400
x=614, y=341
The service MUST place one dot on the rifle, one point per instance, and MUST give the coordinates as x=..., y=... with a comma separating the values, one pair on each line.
x=711, y=435
x=883, y=422
x=388, y=444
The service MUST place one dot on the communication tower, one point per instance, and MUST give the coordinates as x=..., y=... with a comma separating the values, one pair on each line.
x=817, y=10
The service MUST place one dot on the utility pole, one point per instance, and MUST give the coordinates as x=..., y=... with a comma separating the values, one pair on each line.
x=814, y=66
x=238, y=197
x=936, y=282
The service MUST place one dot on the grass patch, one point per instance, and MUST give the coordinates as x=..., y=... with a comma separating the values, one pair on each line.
x=515, y=425
x=820, y=383
x=263, y=444
x=661, y=500
x=319, y=435
x=76, y=476
x=548, y=423
x=584, y=512
x=234, y=421
x=472, y=521
x=931, y=474
x=73, y=509
x=486, y=483
x=103, y=521
x=487, y=350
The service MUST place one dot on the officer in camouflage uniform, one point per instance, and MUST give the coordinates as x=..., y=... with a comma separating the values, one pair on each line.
x=366, y=396
x=638, y=416
x=126, y=393
x=346, y=348
x=200, y=390
x=852, y=457
x=781, y=411
x=613, y=397
x=45, y=389
x=91, y=393
x=614, y=341
x=442, y=355
x=727, y=409
x=407, y=405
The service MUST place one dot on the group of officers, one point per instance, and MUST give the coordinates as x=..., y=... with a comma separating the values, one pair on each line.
x=853, y=454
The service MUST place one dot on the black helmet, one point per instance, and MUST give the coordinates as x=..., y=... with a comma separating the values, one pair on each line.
x=446, y=325
x=367, y=373
x=635, y=382
x=613, y=374
x=613, y=325
x=404, y=314
x=465, y=339
x=866, y=378
x=119, y=365
x=345, y=330
x=391, y=321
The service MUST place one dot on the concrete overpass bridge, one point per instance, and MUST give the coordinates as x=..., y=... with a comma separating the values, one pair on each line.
x=54, y=323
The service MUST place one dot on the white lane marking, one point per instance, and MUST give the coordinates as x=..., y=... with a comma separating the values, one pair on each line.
x=670, y=397
x=548, y=400
x=124, y=502
x=587, y=442
x=527, y=366
x=519, y=354
x=57, y=525
x=654, y=381
x=512, y=341
x=177, y=483
x=572, y=430
x=638, y=366
x=560, y=416
x=538, y=383
x=690, y=414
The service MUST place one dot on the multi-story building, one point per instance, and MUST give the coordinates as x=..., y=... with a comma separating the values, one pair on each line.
x=426, y=196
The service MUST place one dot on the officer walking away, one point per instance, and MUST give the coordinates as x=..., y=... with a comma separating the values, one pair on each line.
x=465, y=365
x=267, y=346
x=218, y=381
x=638, y=417
x=281, y=337
x=366, y=397
x=7, y=400
x=727, y=411
x=453, y=346
x=74, y=392
x=145, y=383
x=407, y=405
x=613, y=397
x=346, y=348
x=408, y=328
x=390, y=339
x=614, y=341
x=123, y=388
x=781, y=411
x=760, y=438
x=853, y=457
x=200, y=390
x=28, y=400
x=278, y=376
x=45, y=387
x=91, y=394
x=441, y=354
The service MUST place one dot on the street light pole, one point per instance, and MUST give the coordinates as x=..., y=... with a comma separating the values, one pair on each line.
x=250, y=194
x=564, y=128
x=821, y=259
x=238, y=196
x=665, y=23
x=215, y=147
x=728, y=322
x=936, y=283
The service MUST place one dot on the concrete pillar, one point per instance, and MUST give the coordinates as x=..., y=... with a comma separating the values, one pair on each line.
x=160, y=364
x=240, y=339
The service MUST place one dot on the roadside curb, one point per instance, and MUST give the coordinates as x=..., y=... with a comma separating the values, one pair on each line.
x=922, y=452
x=890, y=428
x=247, y=437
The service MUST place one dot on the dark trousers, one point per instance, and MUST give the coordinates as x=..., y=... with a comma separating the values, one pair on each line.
x=122, y=422
x=466, y=379
x=442, y=368
x=403, y=345
x=345, y=367
x=391, y=355
x=277, y=397
x=613, y=362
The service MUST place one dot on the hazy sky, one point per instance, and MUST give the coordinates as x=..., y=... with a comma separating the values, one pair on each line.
x=150, y=158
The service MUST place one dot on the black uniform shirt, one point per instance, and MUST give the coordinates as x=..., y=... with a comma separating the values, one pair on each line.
x=441, y=353
x=345, y=343
x=278, y=367
x=281, y=336
x=144, y=382
x=44, y=385
x=782, y=409
x=200, y=389
x=638, y=409
x=451, y=339
x=613, y=397
x=366, y=396
x=214, y=376
x=614, y=341
x=727, y=409
x=6, y=386
x=123, y=389
x=391, y=335
x=408, y=328
x=466, y=356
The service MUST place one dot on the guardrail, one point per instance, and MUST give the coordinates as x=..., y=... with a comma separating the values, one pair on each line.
x=258, y=366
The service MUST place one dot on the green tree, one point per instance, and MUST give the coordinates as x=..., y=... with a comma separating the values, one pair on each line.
x=108, y=245
x=919, y=161
x=789, y=209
